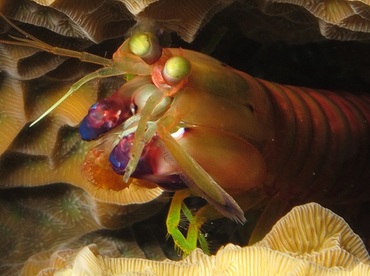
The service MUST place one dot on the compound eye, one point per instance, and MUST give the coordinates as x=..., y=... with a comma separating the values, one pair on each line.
x=176, y=69
x=146, y=46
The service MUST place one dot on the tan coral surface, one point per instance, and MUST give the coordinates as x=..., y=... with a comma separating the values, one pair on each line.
x=293, y=20
x=309, y=240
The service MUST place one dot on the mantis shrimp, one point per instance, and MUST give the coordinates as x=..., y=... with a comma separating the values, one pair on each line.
x=193, y=125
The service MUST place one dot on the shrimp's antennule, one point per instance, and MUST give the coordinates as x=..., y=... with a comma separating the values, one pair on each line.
x=33, y=42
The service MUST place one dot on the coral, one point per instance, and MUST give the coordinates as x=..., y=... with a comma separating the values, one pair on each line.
x=57, y=216
x=309, y=240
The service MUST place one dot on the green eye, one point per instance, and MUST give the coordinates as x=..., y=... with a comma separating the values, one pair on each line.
x=146, y=46
x=176, y=69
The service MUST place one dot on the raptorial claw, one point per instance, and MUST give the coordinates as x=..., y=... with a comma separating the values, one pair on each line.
x=154, y=165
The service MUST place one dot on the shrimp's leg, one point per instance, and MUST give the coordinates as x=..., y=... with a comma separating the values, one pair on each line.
x=101, y=73
x=188, y=244
x=194, y=234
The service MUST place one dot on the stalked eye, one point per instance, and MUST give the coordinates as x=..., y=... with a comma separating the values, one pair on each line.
x=176, y=69
x=146, y=46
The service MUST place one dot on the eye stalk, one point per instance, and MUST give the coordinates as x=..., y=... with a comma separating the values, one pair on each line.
x=146, y=46
x=176, y=70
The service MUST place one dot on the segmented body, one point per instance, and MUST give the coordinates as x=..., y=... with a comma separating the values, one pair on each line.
x=319, y=148
x=318, y=151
